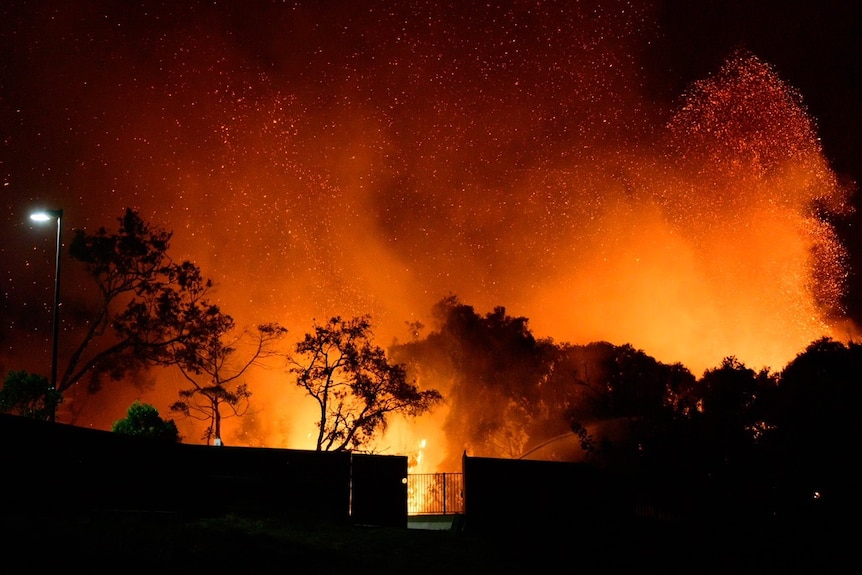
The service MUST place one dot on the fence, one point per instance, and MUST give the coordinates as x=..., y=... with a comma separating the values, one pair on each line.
x=102, y=470
x=435, y=493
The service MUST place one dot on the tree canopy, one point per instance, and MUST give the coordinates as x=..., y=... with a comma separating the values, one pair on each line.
x=143, y=420
x=149, y=310
x=353, y=383
x=735, y=436
x=28, y=395
x=215, y=373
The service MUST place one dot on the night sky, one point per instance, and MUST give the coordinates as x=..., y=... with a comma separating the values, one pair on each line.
x=657, y=174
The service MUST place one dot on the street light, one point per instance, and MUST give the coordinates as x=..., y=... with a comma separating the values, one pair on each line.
x=45, y=216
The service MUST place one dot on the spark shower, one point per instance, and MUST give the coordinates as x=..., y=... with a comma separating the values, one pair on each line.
x=339, y=158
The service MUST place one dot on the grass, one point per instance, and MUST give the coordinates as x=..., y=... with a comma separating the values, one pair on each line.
x=141, y=542
x=167, y=542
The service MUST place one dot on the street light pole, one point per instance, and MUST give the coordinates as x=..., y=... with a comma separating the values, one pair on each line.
x=45, y=216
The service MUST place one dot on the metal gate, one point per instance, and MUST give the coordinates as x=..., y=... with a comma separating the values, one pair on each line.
x=435, y=493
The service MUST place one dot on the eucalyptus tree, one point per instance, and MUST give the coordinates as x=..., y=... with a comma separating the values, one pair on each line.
x=146, y=306
x=216, y=372
x=354, y=384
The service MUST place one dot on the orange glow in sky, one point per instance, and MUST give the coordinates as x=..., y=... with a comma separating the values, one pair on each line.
x=373, y=160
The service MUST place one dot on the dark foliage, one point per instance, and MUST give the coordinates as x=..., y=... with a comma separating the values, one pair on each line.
x=143, y=420
x=29, y=395
x=149, y=310
x=355, y=385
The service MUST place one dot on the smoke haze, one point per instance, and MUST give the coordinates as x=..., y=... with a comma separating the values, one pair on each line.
x=340, y=158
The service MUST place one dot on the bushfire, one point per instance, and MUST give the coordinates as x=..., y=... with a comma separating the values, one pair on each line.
x=344, y=161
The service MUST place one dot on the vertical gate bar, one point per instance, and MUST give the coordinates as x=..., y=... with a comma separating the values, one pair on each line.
x=444, y=494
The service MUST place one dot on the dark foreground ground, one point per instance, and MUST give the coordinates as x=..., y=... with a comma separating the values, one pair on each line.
x=150, y=542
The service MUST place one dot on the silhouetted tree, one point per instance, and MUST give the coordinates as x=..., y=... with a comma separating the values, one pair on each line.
x=147, y=307
x=490, y=368
x=728, y=407
x=632, y=402
x=143, y=420
x=215, y=372
x=28, y=395
x=814, y=427
x=354, y=384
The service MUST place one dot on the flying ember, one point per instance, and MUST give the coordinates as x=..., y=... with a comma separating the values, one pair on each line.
x=322, y=161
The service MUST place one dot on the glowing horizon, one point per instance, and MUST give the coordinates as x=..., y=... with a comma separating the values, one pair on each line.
x=353, y=162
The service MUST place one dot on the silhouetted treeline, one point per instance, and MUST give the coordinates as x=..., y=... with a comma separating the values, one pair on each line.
x=773, y=442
